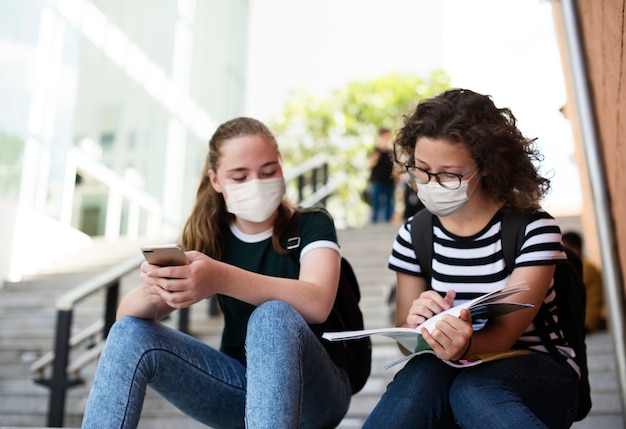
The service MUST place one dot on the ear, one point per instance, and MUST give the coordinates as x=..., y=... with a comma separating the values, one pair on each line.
x=214, y=182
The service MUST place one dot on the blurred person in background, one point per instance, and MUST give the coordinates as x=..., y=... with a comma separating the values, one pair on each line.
x=382, y=181
x=595, y=313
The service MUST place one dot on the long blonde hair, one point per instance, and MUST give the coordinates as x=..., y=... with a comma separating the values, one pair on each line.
x=209, y=217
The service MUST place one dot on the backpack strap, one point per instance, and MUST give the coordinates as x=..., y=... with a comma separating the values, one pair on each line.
x=422, y=240
x=291, y=237
x=513, y=233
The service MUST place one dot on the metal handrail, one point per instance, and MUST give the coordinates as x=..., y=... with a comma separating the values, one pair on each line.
x=59, y=359
x=612, y=281
x=313, y=188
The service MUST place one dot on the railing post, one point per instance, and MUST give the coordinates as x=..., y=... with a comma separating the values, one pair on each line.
x=59, y=382
x=112, y=296
x=314, y=179
x=183, y=320
x=300, y=188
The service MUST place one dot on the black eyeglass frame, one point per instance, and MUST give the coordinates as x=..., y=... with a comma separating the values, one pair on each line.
x=451, y=184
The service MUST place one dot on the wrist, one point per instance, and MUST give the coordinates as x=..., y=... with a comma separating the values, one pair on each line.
x=467, y=349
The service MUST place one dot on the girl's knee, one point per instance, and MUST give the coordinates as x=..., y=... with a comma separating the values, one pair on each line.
x=271, y=314
x=129, y=326
x=275, y=322
x=273, y=307
x=129, y=332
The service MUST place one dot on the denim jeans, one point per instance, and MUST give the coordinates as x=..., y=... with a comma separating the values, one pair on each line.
x=382, y=199
x=530, y=391
x=290, y=381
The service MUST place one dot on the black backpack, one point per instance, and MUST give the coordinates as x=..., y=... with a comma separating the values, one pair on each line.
x=354, y=356
x=568, y=282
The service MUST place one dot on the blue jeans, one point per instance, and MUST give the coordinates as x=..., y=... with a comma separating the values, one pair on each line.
x=290, y=381
x=383, y=203
x=530, y=391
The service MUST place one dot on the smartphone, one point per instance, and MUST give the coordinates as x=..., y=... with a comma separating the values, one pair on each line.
x=165, y=255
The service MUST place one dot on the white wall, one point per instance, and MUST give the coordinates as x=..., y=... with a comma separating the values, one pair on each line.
x=32, y=241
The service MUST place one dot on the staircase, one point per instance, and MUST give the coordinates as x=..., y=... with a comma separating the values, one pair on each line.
x=27, y=323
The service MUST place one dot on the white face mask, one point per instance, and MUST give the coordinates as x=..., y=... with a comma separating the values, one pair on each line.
x=255, y=200
x=441, y=201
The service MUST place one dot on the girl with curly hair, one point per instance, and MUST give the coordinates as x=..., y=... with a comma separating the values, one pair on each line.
x=471, y=165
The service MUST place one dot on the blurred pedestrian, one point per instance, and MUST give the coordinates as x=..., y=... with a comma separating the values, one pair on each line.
x=592, y=277
x=382, y=182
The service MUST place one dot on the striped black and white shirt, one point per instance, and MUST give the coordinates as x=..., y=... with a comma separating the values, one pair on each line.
x=475, y=265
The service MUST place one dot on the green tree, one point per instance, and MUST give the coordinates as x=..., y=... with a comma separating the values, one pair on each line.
x=343, y=125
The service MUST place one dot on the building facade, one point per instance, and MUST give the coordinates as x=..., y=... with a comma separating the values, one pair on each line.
x=106, y=107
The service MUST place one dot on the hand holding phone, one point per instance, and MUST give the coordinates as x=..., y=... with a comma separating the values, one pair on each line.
x=165, y=255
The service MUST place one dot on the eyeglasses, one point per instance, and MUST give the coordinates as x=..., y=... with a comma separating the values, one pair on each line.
x=447, y=180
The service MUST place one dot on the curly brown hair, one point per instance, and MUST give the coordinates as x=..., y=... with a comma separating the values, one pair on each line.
x=209, y=217
x=492, y=138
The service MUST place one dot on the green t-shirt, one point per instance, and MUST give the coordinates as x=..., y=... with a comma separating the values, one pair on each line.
x=255, y=253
